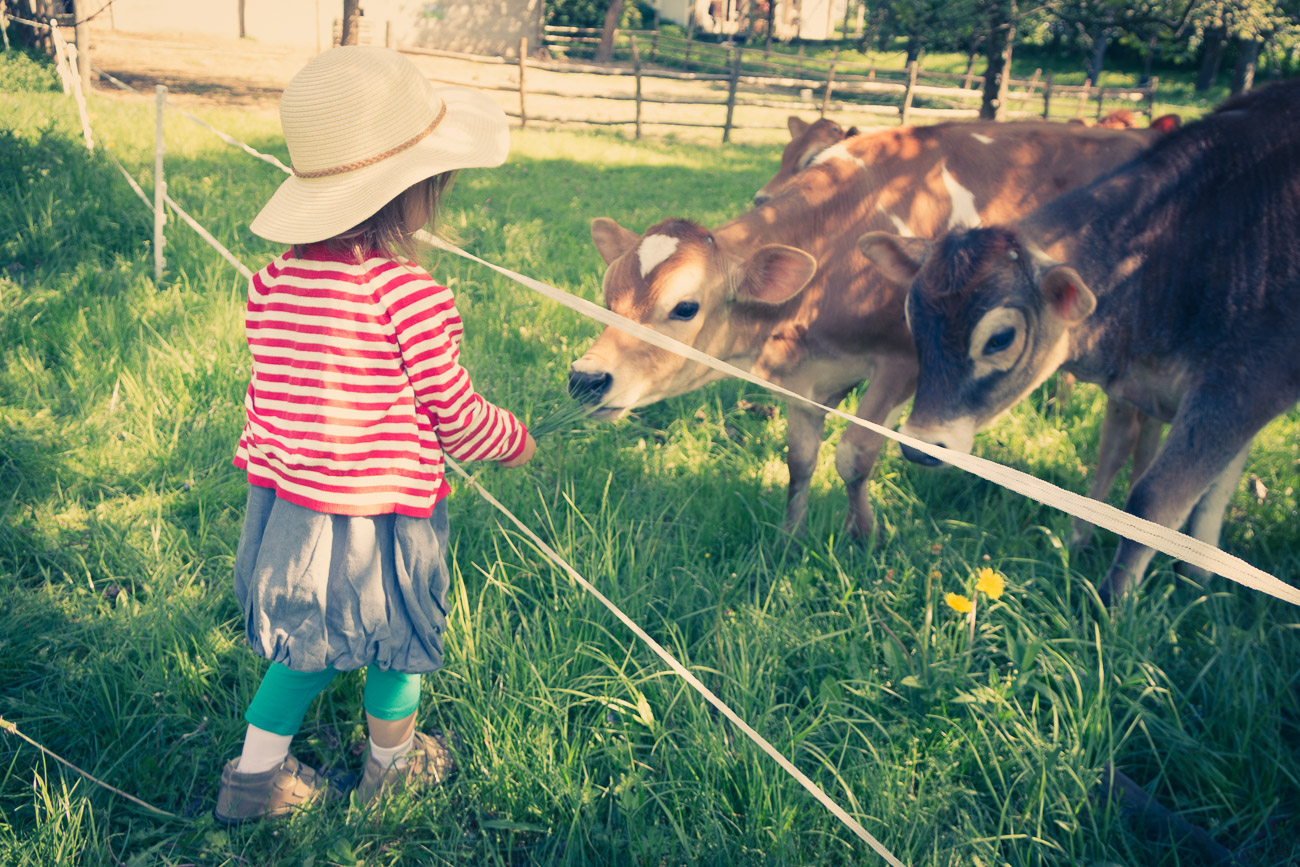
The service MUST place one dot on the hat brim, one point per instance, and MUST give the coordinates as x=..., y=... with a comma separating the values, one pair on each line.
x=474, y=133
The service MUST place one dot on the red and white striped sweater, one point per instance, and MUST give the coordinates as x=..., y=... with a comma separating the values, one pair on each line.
x=356, y=390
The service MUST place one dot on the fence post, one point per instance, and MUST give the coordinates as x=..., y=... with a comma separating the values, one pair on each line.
x=654, y=42
x=159, y=184
x=1101, y=97
x=60, y=57
x=636, y=70
x=1047, y=98
x=1151, y=98
x=830, y=81
x=4, y=25
x=1083, y=97
x=1030, y=87
x=906, y=108
x=731, y=92
x=523, y=66
x=81, y=35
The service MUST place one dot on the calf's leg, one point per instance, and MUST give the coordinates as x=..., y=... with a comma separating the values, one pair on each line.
x=1121, y=428
x=1202, y=449
x=855, y=458
x=1206, y=520
x=803, y=440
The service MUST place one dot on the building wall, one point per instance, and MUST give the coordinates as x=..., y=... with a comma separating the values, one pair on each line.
x=491, y=27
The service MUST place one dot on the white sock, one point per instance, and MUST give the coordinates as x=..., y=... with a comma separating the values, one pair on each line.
x=394, y=756
x=263, y=750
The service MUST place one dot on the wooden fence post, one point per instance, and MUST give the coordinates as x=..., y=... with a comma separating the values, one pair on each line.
x=1151, y=98
x=81, y=34
x=1030, y=86
x=636, y=69
x=523, y=67
x=1047, y=98
x=654, y=41
x=1083, y=97
x=731, y=92
x=830, y=81
x=1101, y=98
x=906, y=108
x=4, y=25
x=159, y=184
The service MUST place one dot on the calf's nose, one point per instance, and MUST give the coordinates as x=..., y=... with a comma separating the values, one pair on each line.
x=588, y=387
x=917, y=456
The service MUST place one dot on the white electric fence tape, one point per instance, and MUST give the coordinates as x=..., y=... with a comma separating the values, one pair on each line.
x=686, y=675
x=1149, y=533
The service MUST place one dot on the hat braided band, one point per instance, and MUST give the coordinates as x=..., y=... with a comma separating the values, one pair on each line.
x=370, y=161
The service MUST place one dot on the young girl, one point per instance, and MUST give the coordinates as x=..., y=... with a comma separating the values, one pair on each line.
x=356, y=396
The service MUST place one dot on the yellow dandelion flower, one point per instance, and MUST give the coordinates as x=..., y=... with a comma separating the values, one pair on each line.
x=958, y=603
x=990, y=583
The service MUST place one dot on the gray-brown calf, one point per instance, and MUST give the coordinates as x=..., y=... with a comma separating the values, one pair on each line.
x=1173, y=282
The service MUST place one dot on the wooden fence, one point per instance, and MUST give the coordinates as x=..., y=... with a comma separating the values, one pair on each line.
x=858, y=87
x=732, y=77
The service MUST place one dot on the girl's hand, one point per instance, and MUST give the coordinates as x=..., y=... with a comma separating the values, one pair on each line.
x=530, y=446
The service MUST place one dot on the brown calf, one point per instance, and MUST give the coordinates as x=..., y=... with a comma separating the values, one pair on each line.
x=1181, y=297
x=784, y=292
x=807, y=140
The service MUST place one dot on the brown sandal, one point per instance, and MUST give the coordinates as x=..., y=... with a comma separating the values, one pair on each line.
x=270, y=794
x=429, y=761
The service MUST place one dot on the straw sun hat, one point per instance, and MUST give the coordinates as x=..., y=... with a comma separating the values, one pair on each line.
x=363, y=124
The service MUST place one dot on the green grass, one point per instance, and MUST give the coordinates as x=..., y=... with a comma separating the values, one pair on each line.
x=121, y=646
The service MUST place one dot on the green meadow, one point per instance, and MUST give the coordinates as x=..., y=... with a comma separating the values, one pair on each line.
x=955, y=741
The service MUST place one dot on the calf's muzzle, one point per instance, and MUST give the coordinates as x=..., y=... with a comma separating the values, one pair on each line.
x=589, y=387
x=919, y=457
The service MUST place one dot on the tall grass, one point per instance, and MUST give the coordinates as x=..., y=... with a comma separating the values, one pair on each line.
x=121, y=646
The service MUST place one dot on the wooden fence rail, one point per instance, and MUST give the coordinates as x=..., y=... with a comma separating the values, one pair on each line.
x=748, y=80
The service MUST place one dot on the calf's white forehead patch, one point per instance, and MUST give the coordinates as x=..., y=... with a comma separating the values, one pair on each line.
x=981, y=138
x=653, y=250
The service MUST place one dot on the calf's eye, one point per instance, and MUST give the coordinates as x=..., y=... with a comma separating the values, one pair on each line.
x=1000, y=341
x=685, y=310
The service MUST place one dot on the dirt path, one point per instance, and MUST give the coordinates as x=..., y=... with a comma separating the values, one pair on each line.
x=206, y=70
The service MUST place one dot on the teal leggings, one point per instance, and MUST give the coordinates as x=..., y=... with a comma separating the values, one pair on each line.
x=281, y=701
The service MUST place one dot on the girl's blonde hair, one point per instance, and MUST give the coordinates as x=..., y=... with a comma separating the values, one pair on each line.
x=389, y=231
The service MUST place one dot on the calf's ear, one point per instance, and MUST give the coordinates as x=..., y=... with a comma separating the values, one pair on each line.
x=611, y=239
x=796, y=126
x=1065, y=291
x=776, y=273
x=1166, y=123
x=897, y=258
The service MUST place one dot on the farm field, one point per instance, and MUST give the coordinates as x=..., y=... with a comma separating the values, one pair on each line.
x=121, y=646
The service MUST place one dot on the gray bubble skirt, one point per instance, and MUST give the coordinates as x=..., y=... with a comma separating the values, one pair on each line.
x=322, y=590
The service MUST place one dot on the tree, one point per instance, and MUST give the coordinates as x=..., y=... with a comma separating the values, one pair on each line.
x=1002, y=16
x=605, y=50
x=351, y=31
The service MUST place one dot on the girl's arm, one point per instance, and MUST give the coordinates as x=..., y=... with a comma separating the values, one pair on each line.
x=428, y=331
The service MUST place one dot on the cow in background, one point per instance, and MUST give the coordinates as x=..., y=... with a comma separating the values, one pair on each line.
x=1174, y=283
x=807, y=141
x=783, y=291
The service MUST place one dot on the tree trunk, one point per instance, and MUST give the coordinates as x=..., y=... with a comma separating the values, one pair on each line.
x=1243, y=72
x=1148, y=58
x=1211, y=57
x=605, y=50
x=351, y=31
x=913, y=50
x=1001, y=39
x=1100, y=41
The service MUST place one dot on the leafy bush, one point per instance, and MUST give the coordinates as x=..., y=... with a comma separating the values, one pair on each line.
x=27, y=72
